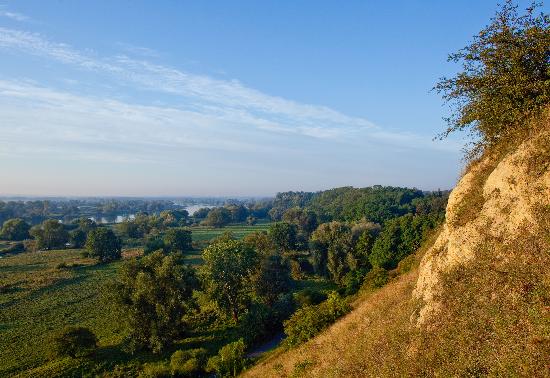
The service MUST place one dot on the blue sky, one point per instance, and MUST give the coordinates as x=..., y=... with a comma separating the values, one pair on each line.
x=226, y=98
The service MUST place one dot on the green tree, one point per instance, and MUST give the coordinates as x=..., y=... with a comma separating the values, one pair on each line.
x=153, y=293
x=218, y=217
x=399, y=238
x=261, y=242
x=103, y=244
x=334, y=240
x=86, y=224
x=178, y=240
x=130, y=229
x=271, y=278
x=15, y=229
x=226, y=274
x=238, y=213
x=50, y=234
x=304, y=219
x=284, y=235
x=73, y=342
x=77, y=238
x=505, y=77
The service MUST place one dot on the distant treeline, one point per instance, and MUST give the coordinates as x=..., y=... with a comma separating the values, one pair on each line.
x=376, y=204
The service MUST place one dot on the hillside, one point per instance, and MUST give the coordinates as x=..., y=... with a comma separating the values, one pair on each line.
x=478, y=300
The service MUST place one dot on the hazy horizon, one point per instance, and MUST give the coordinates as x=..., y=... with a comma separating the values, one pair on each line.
x=168, y=99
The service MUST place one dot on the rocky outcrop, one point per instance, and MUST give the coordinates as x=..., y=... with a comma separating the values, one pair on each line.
x=498, y=198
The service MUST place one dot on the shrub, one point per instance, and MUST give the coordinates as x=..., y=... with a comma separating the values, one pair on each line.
x=375, y=279
x=73, y=342
x=352, y=282
x=186, y=363
x=310, y=320
x=229, y=361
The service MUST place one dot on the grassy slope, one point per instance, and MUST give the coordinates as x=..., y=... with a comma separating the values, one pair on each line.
x=376, y=329
x=493, y=319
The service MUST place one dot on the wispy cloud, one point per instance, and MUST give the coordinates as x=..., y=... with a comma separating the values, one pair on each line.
x=229, y=98
x=14, y=15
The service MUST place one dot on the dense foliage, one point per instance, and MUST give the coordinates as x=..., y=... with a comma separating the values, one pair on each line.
x=15, y=229
x=103, y=244
x=505, y=77
x=226, y=272
x=310, y=320
x=50, y=234
x=152, y=293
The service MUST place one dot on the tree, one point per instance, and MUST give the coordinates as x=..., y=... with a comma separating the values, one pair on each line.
x=178, y=240
x=226, y=274
x=77, y=238
x=260, y=242
x=152, y=294
x=218, y=217
x=73, y=342
x=201, y=213
x=130, y=229
x=103, y=244
x=284, y=235
x=251, y=220
x=505, y=77
x=399, y=238
x=15, y=229
x=334, y=239
x=304, y=219
x=271, y=278
x=50, y=234
x=86, y=224
x=238, y=213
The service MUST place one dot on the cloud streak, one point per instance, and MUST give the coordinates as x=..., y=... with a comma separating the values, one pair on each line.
x=203, y=92
x=14, y=16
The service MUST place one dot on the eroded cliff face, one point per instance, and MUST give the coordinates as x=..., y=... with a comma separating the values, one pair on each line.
x=499, y=199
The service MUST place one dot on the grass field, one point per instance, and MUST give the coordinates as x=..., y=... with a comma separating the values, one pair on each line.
x=201, y=233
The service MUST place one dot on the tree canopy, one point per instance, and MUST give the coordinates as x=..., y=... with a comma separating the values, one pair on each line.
x=505, y=77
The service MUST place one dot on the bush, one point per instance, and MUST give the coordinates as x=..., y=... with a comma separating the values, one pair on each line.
x=375, y=279
x=186, y=363
x=230, y=360
x=310, y=320
x=73, y=342
x=352, y=281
